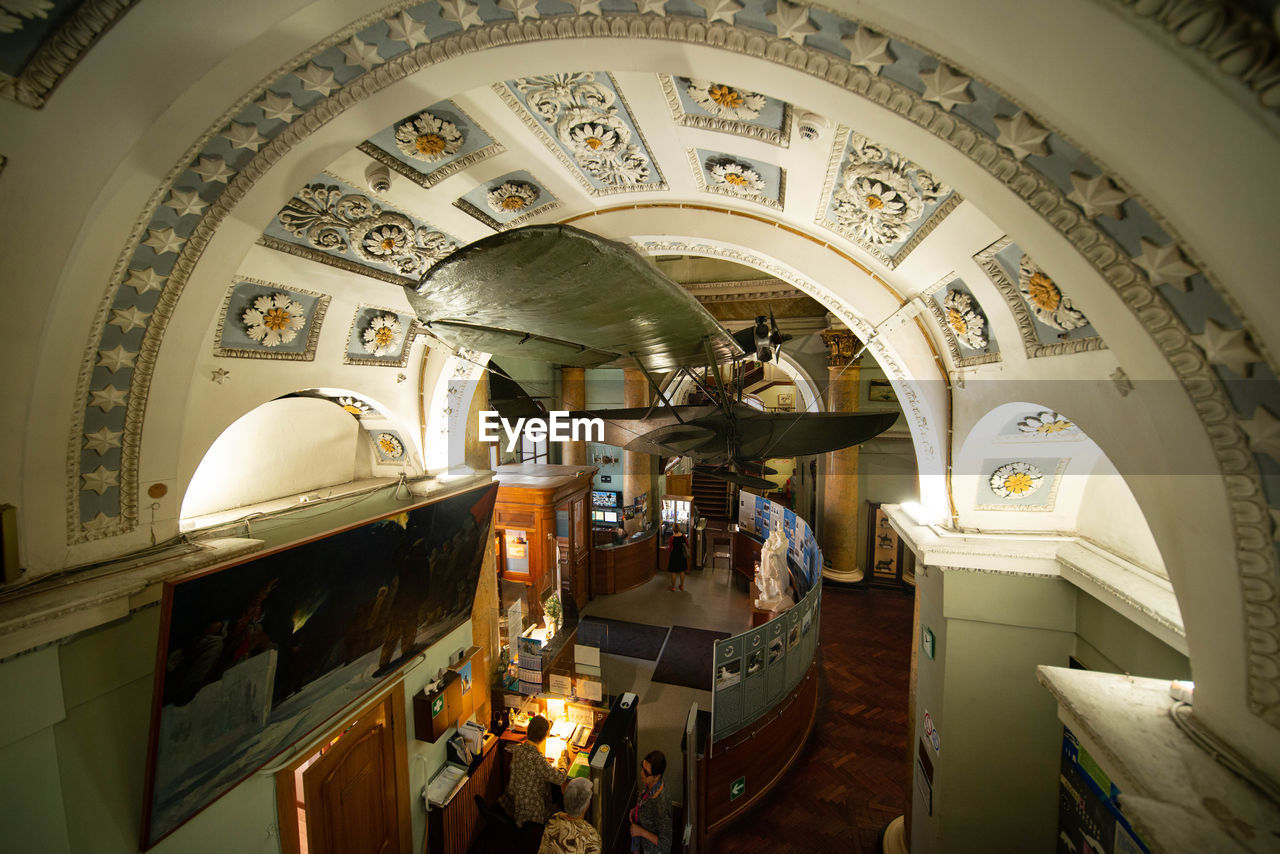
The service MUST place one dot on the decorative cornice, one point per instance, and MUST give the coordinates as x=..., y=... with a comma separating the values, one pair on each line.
x=1255, y=557
x=333, y=261
x=986, y=259
x=773, y=136
x=1223, y=38
x=60, y=52
x=428, y=180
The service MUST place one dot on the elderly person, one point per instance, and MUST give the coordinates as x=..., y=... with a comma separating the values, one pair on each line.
x=651, y=817
x=528, y=796
x=569, y=832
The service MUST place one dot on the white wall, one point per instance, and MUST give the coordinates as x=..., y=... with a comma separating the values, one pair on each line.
x=281, y=448
x=1110, y=516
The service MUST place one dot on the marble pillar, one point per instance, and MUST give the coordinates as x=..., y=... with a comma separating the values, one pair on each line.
x=573, y=395
x=637, y=469
x=840, y=543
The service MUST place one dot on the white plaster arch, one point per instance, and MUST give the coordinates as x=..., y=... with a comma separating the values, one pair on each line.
x=1196, y=521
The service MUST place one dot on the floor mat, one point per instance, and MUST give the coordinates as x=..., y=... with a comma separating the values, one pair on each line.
x=687, y=657
x=619, y=637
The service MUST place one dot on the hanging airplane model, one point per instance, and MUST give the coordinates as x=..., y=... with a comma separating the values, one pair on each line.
x=558, y=294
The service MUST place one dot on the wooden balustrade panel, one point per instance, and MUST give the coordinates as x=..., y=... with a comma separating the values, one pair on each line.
x=758, y=756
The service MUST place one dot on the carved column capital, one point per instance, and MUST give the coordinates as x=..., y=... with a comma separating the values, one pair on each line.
x=841, y=346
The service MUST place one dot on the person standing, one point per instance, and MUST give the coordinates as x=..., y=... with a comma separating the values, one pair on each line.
x=569, y=832
x=651, y=817
x=677, y=549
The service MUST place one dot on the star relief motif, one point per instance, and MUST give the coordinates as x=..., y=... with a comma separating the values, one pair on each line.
x=99, y=480
x=1230, y=347
x=102, y=440
x=792, y=21
x=219, y=375
x=278, y=107
x=461, y=12
x=652, y=7
x=107, y=398
x=585, y=7
x=408, y=29
x=212, y=170
x=244, y=136
x=720, y=10
x=1164, y=265
x=99, y=523
x=116, y=358
x=522, y=9
x=129, y=318
x=360, y=54
x=1097, y=195
x=163, y=240
x=1263, y=430
x=316, y=78
x=946, y=88
x=185, y=202
x=145, y=280
x=869, y=49
x=1022, y=135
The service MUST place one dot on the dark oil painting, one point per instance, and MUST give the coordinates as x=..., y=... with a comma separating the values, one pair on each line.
x=255, y=656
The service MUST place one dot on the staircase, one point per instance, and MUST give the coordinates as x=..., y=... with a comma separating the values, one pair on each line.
x=714, y=498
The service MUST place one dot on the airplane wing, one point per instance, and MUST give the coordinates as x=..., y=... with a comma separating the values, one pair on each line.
x=562, y=295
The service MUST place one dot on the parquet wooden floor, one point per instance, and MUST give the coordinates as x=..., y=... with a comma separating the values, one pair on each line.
x=853, y=777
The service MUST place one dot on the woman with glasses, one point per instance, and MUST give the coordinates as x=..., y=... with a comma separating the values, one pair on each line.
x=651, y=817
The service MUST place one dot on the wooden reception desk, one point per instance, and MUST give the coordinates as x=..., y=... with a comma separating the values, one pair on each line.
x=626, y=565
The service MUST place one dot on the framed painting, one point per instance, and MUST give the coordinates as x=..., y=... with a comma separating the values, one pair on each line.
x=884, y=563
x=255, y=655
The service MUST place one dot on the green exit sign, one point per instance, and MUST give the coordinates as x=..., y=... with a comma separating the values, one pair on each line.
x=437, y=706
x=737, y=788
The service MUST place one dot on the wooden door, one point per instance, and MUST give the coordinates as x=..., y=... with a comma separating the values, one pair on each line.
x=580, y=550
x=345, y=798
x=351, y=794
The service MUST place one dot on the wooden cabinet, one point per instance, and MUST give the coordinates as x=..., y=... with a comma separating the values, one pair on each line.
x=543, y=511
x=885, y=551
x=463, y=689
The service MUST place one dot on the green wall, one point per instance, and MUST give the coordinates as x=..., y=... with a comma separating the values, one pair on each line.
x=73, y=751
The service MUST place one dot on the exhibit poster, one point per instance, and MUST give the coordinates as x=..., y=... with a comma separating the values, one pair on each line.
x=1089, y=817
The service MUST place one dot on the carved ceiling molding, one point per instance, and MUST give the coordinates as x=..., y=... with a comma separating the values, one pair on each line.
x=1222, y=37
x=948, y=335
x=1256, y=558
x=1008, y=288
x=60, y=52
x=428, y=180
x=773, y=136
x=336, y=261
x=312, y=332
x=700, y=178
x=524, y=218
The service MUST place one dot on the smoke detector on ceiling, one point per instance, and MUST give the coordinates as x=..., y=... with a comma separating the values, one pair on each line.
x=810, y=125
x=378, y=177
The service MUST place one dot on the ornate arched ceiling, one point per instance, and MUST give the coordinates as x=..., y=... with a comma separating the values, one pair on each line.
x=919, y=180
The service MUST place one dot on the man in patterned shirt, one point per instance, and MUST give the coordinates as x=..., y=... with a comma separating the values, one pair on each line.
x=528, y=796
x=569, y=832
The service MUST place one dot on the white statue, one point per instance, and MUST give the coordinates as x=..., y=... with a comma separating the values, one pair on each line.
x=773, y=579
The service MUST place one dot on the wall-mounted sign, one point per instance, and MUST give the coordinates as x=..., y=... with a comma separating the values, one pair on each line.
x=737, y=788
x=926, y=641
x=931, y=733
x=517, y=544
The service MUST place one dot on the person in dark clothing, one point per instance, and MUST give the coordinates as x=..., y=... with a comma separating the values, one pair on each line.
x=677, y=550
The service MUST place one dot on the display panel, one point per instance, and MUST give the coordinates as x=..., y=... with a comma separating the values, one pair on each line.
x=255, y=655
x=603, y=498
